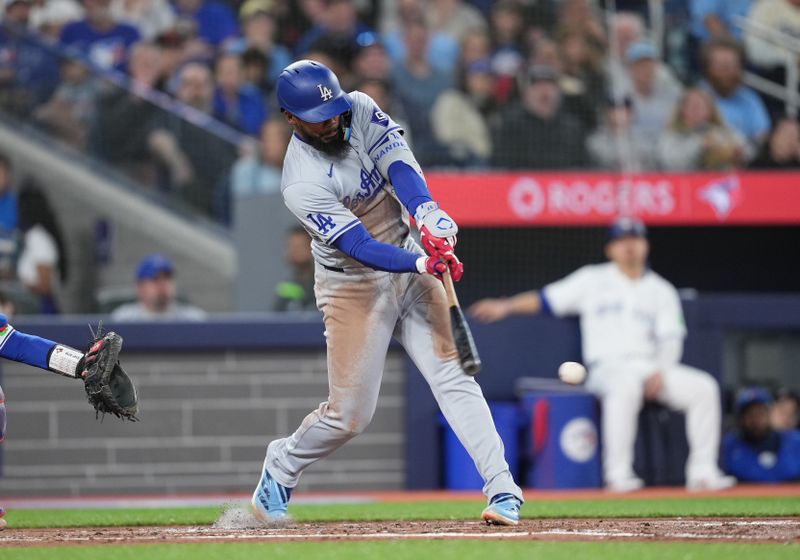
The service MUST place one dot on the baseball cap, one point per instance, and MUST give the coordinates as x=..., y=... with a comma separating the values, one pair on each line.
x=749, y=396
x=254, y=7
x=627, y=227
x=153, y=265
x=641, y=50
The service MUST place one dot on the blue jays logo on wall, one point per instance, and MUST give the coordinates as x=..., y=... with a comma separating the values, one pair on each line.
x=723, y=195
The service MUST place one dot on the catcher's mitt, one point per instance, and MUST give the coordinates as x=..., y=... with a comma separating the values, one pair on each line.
x=108, y=387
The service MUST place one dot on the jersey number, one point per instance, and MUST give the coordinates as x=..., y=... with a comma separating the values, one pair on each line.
x=324, y=223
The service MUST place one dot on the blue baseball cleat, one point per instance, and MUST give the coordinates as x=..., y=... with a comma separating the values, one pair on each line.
x=503, y=509
x=270, y=499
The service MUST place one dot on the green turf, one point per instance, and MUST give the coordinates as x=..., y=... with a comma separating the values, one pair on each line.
x=687, y=507
x=413, y=550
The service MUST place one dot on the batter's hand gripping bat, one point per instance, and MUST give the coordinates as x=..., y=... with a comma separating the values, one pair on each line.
x=465, y=345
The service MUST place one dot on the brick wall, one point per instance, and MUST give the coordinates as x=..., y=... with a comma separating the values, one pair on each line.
x=206, y=420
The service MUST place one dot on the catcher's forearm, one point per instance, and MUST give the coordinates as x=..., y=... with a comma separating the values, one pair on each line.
x=39, y=352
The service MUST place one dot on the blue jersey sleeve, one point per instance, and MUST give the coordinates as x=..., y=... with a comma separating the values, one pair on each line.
x=25, y=348
x=358, y=244
x=409, y=186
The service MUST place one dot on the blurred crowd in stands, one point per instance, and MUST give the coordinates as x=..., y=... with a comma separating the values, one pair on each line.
x=514, y=84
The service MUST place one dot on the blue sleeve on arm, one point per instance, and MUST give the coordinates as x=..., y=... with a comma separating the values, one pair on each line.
x=26, y=348
x=546, y=309
x=408, y=185
x=357, y=243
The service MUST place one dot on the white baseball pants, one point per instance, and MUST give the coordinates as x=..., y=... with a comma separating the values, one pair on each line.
x=692, y=391
x=362, y=311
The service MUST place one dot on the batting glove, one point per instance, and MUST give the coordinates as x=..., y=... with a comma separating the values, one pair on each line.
x=437, y=230
x=436, y=266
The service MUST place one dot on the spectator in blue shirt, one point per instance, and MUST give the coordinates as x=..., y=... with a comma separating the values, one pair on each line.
x=212, y=22
x=8, y=199
x=237, y=102
x=756, y=452
x=741, y=107
x=712, y=19
x=28, y=70
x=104, y=41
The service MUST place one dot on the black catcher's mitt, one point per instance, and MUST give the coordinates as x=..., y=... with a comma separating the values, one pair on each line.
x=108, y=387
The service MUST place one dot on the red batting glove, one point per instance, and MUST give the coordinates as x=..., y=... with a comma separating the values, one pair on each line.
x=456, y=266
x=435, y=245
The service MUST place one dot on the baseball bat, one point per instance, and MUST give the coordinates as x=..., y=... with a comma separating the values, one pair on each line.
x=465, y=345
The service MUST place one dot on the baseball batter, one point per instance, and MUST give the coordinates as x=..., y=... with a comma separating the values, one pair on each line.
x=632, y=331
x=37, y=352
x=350, y=178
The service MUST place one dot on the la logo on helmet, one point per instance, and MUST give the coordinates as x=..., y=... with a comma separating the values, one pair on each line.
x=324, y=92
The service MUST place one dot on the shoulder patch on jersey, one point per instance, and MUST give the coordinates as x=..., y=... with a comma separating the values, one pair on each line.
x=379, y=117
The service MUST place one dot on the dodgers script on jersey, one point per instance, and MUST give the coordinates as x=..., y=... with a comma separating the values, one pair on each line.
x=620, y=318
x=330, y=196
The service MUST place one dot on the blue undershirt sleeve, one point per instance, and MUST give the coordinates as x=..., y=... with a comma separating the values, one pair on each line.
x=410, y=188
x=26, y=348
x=357, y=243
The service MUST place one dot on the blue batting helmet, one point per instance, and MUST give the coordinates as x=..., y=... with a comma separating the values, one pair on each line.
x=311, y=91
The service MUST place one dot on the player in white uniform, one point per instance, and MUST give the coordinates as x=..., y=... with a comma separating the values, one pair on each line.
x=351, y=180
x=632, y=332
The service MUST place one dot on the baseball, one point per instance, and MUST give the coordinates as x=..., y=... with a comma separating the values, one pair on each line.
x=572, y=373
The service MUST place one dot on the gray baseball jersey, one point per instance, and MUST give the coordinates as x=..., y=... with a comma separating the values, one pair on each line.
x=364, y=309
x=329, y=196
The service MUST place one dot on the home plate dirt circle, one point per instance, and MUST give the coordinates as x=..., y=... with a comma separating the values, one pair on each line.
x=750, y=530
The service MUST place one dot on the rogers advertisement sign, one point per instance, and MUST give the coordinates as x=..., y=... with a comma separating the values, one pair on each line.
x=586, y=199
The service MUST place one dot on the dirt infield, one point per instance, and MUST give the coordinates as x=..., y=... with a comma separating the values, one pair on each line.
x=749, y=530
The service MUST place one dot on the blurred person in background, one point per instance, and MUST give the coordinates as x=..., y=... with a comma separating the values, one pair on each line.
x=653, y=102
x=755, y=452
x=626, y=28
x=212, y=22
x=778, y=16
x=372, y=62
x=697, y=139
x=582, y=16
x=70, y=111
x=715, y=19
x=297, y=293
x=417, y=85
x=453, y=18
x=458, y=117
x=616, y=145
x=535, y=132
x=507, y=51
x=195, y=161
x=255, y=72
x=97, y=36
x=8, y=221
x=28, y=70
x=237, y=102
x=260, y=172
x=50, y=18
x=8, y=198
x=581, y=77
x=259, y=30
x=124, y=119
x=156, y=298
x=7, y=308
x=782, y=148
x=441, y=49
x=741, y=108
x=149, y=17
x=785, y=411
x=42, y=264
x=632, y=332
x=340, y=24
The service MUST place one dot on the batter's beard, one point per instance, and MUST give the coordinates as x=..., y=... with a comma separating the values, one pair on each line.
x=336, y=148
